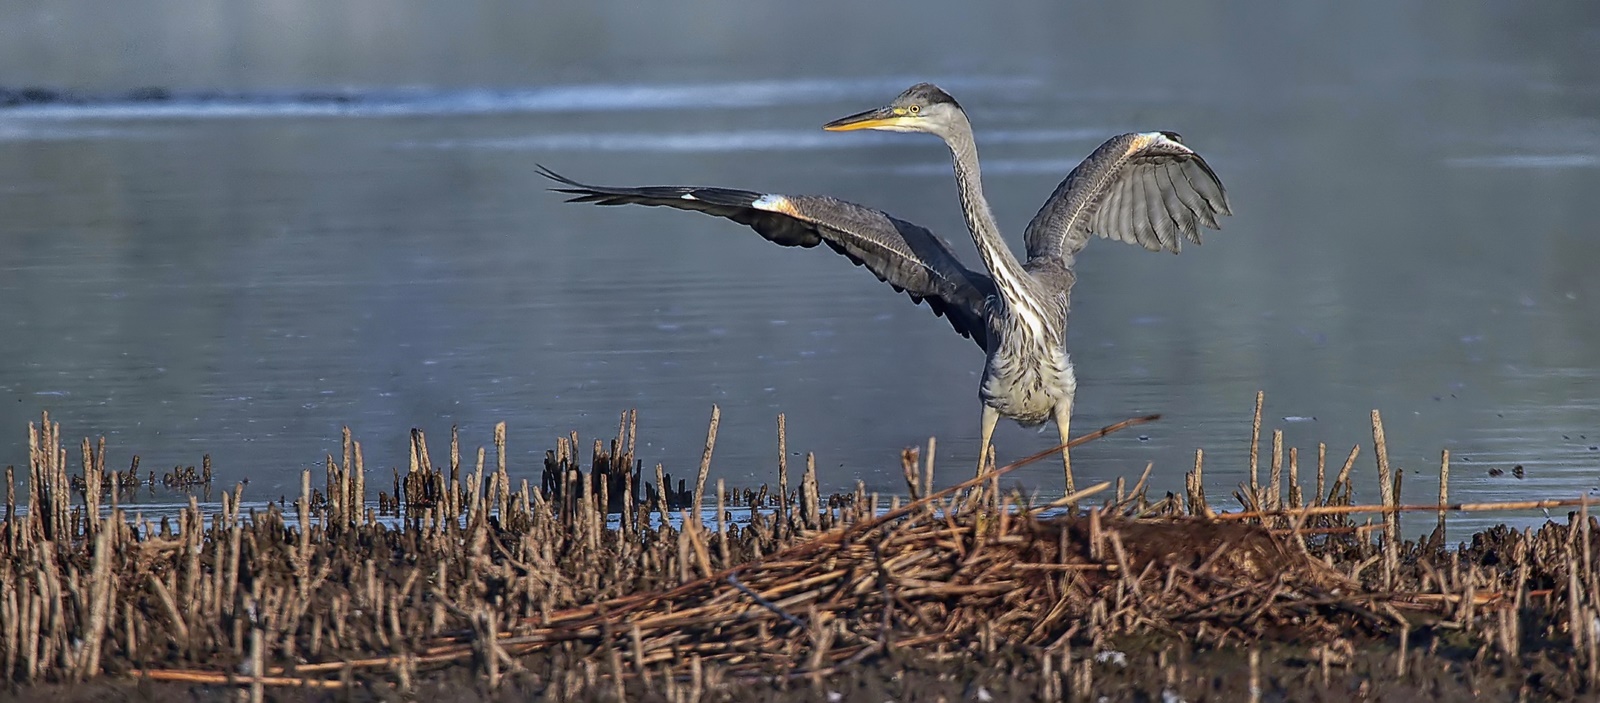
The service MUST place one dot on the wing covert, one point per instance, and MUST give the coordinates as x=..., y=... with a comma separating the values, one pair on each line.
x=1141, y=188
x=906, y=256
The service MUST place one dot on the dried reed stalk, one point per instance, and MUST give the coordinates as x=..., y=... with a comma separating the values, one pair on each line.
x=494, y=575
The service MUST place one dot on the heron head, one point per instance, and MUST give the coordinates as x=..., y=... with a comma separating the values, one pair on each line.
x=921, y=108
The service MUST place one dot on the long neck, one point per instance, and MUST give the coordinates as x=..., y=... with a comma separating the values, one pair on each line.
x=1012, y=282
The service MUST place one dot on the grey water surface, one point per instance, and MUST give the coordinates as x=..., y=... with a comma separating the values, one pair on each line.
x=1414, y=186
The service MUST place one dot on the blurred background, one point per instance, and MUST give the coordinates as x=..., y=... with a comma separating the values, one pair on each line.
x=334, y=219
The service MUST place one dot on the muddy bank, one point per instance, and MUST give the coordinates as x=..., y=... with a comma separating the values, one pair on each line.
x=1284, y=673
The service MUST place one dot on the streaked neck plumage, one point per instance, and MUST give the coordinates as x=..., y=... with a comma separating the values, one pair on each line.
x=1016, y=287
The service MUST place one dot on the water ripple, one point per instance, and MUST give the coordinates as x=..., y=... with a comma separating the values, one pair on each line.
x=545, y=99
x=737, y=140
x=1527, y=161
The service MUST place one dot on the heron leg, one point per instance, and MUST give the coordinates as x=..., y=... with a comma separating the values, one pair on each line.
x=1063, y=422
x=990, y=418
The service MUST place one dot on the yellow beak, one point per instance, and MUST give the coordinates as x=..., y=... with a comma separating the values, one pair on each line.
x=871, y=119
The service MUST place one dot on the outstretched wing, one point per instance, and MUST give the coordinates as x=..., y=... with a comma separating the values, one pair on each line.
x=905, y=256
x=1141, y=188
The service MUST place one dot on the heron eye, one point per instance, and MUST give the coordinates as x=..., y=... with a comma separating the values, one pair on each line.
x=914, y=109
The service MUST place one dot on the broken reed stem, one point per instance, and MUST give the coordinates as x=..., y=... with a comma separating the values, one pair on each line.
x=995, y=474
x=203, y=677
x=1342, y=481
x=1199, y=499
x=501, y=476
x=1073, y=498
x=1444, y=487
x=661, y=493
x=811, y=493
x=1255, y=443
x=1275, y=482
x=257, y=665
x=705, y=460
x=783, y=476
x=911, y=471
x=1294, y=478
x=1322, y=463
x=1138, y=490
x=1391, y=525
x=722, y=523
x=1455, y=507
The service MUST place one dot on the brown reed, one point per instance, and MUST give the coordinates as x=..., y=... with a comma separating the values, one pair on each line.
x=586, y=563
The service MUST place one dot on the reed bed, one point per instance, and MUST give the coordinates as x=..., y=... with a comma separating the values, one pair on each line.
x=621, y=575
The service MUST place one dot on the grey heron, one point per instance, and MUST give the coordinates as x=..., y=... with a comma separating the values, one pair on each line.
x=1144, y=188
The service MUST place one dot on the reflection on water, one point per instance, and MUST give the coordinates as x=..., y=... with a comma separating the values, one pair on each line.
x=438, y=103
x=745, y=140
x=242, y=276
x=1528, y=161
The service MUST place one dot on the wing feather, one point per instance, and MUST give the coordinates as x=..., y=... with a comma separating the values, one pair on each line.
x=1205, y=181
x=1114, y=211
x=1141, y=213
x=1182, y=217
x=1127, y=215
x=908, y=257
x=1141, y=188
x=1156, y=204
x=1193, y=201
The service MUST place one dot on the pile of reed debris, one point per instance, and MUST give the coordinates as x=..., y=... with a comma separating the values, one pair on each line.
x=458, y=568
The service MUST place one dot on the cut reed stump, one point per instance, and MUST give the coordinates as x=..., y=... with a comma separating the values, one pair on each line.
x=478, y=568
x=940, y=571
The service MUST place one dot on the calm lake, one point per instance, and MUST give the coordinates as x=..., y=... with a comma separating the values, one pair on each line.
x=339, y=222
